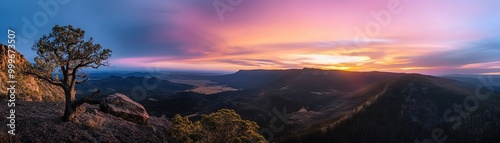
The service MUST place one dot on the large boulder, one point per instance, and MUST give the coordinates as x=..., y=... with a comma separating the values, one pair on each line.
x=121, y=106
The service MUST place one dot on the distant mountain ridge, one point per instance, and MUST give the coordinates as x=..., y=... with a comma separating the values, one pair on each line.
x=302, y=79
x=153, y=86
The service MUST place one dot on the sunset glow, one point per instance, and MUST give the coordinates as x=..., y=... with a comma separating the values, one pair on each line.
x=426, y=36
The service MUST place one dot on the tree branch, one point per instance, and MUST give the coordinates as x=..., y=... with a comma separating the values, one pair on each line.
x=57, y=54
x=50, y=80
x=83, y=65
x=86, y=99
x=82, y=81
x=82, y=75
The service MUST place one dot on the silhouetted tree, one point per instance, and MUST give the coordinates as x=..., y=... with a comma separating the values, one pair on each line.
x=65, y=52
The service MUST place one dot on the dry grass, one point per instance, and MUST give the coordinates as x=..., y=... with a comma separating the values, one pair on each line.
x=212, y=89
x=8, y=138
x=41, y=122
x=96, y=122
x=205, y=86
x=88, y=118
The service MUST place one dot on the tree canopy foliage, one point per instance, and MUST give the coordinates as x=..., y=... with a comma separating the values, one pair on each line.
x=222, y=126
x=64, y=52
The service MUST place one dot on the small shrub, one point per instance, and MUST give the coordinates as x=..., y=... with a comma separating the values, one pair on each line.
x=95, y=123
x=224, y=125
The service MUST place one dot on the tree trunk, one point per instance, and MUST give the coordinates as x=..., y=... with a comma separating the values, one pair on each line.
x=72, y=93
x=67, y=109
x=72, y=104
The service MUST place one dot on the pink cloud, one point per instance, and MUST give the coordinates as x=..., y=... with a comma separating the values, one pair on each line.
x=264, y=33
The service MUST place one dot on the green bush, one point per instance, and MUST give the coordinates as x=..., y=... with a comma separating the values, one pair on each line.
x=222, y=126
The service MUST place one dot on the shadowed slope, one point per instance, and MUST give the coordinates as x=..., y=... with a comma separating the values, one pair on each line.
x=409, y=108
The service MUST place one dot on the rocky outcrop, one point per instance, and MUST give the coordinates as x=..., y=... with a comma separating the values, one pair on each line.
x=41, y=122
x=28, y=88
x=121, y=106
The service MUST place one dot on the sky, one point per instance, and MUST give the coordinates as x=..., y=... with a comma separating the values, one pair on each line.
x=412, y=36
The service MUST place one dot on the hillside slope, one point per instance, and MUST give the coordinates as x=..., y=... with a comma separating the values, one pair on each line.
x=410, y=108
x=306, y=95
x=28, y=88
x=40, y=122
